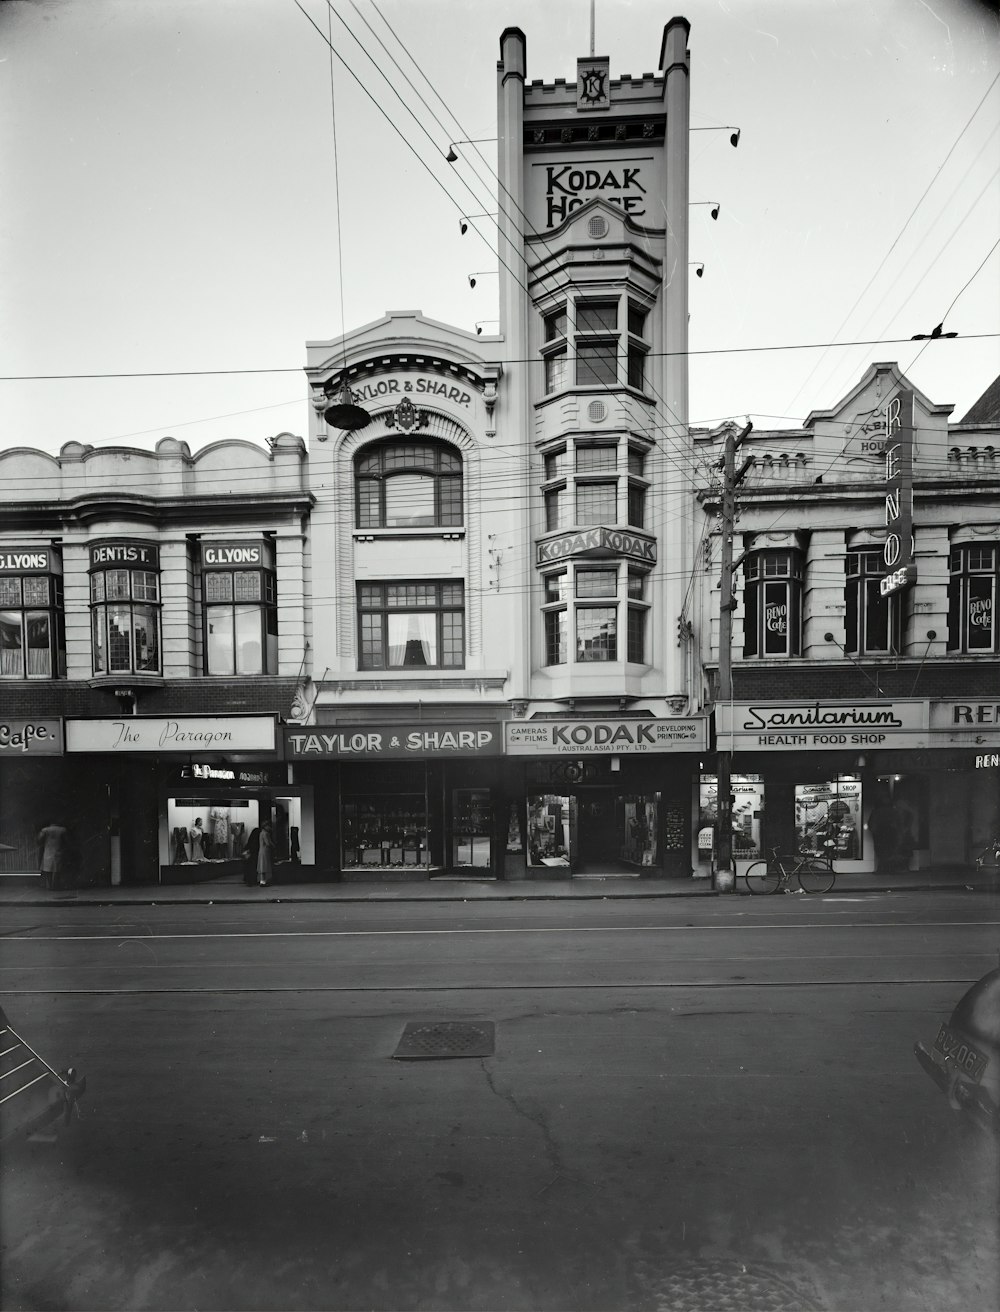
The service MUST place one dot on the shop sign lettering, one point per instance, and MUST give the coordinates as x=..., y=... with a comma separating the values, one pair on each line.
x=569, y=186
x=990, y=762
x=399, y=742
x=783, y=725
x=382, y=388
x=975, y=713
x=898, y=550
x=597, y=539
x=31, y=737
x=607, y=737
x=139, y=733
x=232, y=553
x=24, y=561
x=124, y=553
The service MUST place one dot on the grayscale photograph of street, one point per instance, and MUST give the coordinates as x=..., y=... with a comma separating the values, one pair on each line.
x=500, y=656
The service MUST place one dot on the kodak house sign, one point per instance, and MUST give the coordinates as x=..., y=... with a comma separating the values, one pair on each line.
x=597, y=541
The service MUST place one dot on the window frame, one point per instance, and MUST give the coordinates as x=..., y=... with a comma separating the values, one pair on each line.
x=137, y=602
x=864, y=568
x=762, y=590
x=444, y=610
x=265, y=604
x=371, y=499
x=965, y=579
x=22, y=615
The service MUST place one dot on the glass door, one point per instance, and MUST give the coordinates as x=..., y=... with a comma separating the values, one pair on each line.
x=471, y=829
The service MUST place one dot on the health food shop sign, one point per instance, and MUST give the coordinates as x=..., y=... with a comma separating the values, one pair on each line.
x=794, y=726
x=202, y=733
x=605, y=737
x=398, y=742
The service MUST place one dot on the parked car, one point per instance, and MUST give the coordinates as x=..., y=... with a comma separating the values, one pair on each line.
x=34, y=1096
x=964, y=1059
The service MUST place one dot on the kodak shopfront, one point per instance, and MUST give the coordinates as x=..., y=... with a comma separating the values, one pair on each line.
x=601, y=796
x=879, y=784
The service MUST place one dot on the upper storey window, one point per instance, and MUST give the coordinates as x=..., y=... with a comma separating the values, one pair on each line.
x=872, y=622
x=596, y=343
x=972, y=598
x=584, y=345
x=408, y=485
x=773, y=597
x=125, y=607
x=32, y=645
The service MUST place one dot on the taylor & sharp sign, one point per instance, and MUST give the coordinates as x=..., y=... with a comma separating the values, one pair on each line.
x=605, y=737
x=202, y=733
x=31, y=738
x=393, y=742
x=794, y=726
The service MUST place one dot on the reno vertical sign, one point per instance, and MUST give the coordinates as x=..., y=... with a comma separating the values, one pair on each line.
x=900, y=571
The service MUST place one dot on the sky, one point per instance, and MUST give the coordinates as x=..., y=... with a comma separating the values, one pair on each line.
x=197, y=186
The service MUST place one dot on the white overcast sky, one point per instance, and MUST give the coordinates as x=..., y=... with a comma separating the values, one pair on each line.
x=169, y=202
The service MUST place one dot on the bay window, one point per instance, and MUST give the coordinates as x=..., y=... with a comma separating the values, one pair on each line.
x=581, y=612
x=125, y=611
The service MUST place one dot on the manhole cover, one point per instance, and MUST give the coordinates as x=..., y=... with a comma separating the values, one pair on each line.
x=427, y=1039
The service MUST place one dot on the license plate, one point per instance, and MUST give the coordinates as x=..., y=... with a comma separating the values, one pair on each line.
x=960, y=1052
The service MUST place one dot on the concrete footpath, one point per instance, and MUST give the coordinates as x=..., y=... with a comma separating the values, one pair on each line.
x=440, y=889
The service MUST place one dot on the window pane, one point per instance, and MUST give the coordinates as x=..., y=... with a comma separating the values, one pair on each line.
x=637, y=506
x=876, y=626
x=981, y=613
x=450, y=490
x=452, y=594
x=98, y=626
x=556, y=627
x=636, y=320
x=369, y=512
x=636, y=635
x=246, y=585
x=555, y=371
x=370, y=594
x=637, y=583
x=409, y=501
x=596, y=582
x=372, y=655
x=11, y=653
x=776, y=619
x=36, y=591
x=452, y=640
x=555, y=465
x=119, y=638
x=116, y=584
x=555, y=509
x=596, y=503
x=145, y=586
x=147, y=638
x=591, y=459
x=596, y=633
x=220, y=652
x=218, y=587
x=636, y=367
x=412, y=640
x=10, y=591
x=555, y=325
x=249, y=652
x=596, y=362
x=38, y=628
x=596, y=316
x=557, y=586
x=97, y=587
x=636, y=462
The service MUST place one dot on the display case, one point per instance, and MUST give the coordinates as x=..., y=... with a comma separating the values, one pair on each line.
x=471, y=828
x=388, y=831
x=551, y=826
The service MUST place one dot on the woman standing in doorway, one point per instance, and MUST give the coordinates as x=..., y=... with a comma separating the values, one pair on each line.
x=265, y=855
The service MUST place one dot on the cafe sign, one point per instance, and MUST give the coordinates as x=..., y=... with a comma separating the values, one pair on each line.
x=398, y=742
x=604, y=737
x=133, y=734
x=30, y=738
x=966, y=723
x=794, y=726
x=897, y=553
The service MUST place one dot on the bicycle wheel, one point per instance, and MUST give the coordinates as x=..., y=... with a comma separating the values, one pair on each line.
x=761, y=878
x=816, y=876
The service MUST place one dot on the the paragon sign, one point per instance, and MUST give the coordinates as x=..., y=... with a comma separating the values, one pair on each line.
x=204, y=733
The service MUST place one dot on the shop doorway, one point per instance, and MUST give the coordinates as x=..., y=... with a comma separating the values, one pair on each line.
x=600, y=842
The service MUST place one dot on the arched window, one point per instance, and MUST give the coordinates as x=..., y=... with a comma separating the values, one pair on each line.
x=408, y=485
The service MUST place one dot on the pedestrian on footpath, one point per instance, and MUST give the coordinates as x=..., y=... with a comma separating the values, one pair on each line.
x=52, y=854
x=265, y=857
x=250, y=854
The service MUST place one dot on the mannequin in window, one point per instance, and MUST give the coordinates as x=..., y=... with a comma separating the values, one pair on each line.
x=196, y=834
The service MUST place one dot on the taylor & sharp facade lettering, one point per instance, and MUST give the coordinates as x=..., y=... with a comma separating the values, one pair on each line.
x=396, y=741
x=438, y=388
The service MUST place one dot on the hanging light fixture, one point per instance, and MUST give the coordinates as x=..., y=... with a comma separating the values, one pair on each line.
x=344, y=414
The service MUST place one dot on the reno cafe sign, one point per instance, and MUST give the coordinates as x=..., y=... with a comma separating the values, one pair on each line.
x=898, y=551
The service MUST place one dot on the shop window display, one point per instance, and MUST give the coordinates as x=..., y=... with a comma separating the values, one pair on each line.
x=748, y=809
x=828, y=819
x=385, y=831
x=209, y=829
x=638, y=829
x=551, y=824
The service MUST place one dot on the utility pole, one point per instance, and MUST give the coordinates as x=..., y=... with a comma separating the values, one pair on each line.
x=725, y=874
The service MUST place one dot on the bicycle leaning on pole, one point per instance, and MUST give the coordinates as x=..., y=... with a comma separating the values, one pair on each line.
x=814, y=873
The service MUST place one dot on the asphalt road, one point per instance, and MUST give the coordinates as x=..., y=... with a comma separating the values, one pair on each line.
x=693, y=1103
